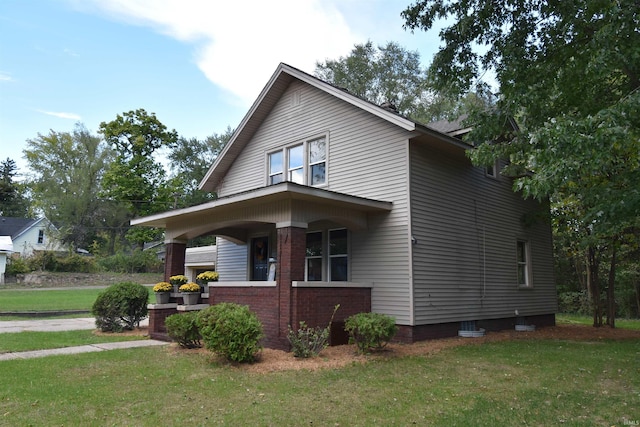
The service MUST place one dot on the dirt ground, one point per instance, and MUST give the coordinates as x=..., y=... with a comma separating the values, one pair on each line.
x=334, y=357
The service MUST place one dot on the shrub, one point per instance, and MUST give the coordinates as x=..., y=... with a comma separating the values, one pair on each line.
x=75, y=263
x=183, y=329
x=17, y=266
x=574, y=303
x=306, y=341
x=231, y=330
x=370, y=331
x=120, y=306
x=135, y=262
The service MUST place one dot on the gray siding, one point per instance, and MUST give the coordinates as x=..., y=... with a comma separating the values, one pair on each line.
x=232, y=261
x=367, y=157
x=467, y=225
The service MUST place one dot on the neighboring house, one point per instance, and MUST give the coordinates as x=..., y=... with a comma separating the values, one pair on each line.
x=30, y=235
x=325, y=199
x=198, y=260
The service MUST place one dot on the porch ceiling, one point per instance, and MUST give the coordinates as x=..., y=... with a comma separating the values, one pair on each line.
x=281, y=203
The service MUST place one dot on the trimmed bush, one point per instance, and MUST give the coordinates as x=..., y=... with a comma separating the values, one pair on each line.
x=183, y=329
x=231, y=330
x=370, y=331
x=121, y=306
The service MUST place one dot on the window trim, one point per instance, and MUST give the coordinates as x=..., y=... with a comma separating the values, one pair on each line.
x=493, y=173
x=526, y=263
x=306, y=162
x=326, y=256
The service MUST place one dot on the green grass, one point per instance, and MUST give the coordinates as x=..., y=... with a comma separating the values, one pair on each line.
x=575, y=319
x=524, y=382
x=27, y=341
x=48, y=300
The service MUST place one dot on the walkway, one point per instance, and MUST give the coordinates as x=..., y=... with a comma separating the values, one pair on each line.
x=54, y=325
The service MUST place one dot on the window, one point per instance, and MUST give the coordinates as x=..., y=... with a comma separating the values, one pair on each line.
x=313, y=259
x=296, y=164
x=317, y=161
x=275, y=168
x=492, y=170
x=523, y=264
x=306, y=163
x=40, y=237
x=338, y=255
x=332, y=264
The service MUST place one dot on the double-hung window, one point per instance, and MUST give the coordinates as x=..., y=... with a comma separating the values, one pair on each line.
x=523, y=264
x=276, y=174
x=327, y=256
x=304, y=163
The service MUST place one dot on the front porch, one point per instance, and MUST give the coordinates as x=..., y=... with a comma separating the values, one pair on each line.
x=285, y=282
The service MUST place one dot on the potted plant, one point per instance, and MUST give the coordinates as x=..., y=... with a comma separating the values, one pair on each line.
x=190, y=293
x=163, y=292
x=178, y=281
x=205, y=277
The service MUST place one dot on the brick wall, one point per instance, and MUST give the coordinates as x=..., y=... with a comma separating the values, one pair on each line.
x=315, y=306
x=262, y=301
x=157, y=329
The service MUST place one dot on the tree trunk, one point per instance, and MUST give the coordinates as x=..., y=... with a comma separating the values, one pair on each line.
x=611, y=300
x=594, y=287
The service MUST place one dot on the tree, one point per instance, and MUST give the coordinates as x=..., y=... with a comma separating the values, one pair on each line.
x=12, y=200
x=390, y=74
x=135, y=178
x=190, y=161
x=68, y=167
x=383, y=74
x=569, y=73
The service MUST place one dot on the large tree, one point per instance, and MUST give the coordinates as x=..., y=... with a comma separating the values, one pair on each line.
x=394, y=76
x=67, y=168
x=569, y=73
x=12, y=198
x=190, y=159
x=135, y=178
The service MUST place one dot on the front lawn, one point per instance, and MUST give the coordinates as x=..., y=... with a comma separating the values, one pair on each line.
x=32, y=340
x=521, y=382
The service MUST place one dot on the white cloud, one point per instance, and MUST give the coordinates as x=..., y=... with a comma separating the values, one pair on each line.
x=4, y=77
x=61, y=115
x=238, y=44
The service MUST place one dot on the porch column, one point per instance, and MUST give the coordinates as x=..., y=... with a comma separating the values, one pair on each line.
x=174, y=258
x=292, y=242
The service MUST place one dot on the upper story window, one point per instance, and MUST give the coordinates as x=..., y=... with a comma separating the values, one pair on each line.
x=276, y=174
x=492, y=170
x=40, y=237
x=306, y=163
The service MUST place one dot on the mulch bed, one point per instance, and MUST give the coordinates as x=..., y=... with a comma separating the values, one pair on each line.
x=335, y=357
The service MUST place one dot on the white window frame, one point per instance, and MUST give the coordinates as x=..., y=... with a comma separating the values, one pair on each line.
x=492, y=171
x=523, y=265
x=320, y=257
x=271, y=174
x=326, y=256
x=287, y=170
x=330, y=256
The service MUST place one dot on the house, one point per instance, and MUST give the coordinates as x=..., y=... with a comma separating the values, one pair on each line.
x=327, y=199
x=6, y=248
x=30, y=235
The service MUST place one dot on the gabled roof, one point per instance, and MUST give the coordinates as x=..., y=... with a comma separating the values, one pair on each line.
x=14, y=227
x=270, y=95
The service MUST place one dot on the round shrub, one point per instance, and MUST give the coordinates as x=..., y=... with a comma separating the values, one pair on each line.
x=120, y=306
x=231, y=330
x=370, y=331
x=183, y=329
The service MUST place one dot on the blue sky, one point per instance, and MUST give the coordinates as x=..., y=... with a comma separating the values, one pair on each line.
x=197, y=64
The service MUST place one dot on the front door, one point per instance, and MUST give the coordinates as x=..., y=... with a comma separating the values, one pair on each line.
x=259, y=258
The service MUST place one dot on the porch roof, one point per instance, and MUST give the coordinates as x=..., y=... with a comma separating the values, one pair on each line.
x=283, y=203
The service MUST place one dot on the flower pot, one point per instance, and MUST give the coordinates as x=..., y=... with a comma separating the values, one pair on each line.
x=190, y=298
x=162, y=297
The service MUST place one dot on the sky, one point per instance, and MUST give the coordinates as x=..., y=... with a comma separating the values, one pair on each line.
x=197, y=64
